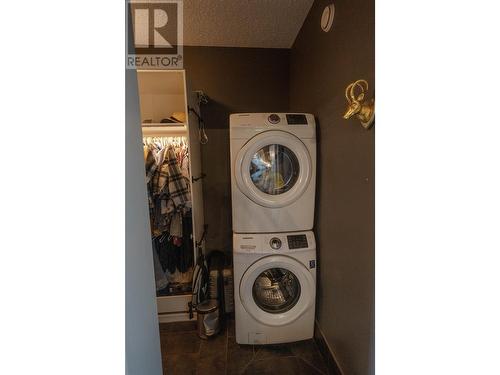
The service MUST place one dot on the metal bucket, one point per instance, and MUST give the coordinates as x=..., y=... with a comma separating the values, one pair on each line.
x=208, y=318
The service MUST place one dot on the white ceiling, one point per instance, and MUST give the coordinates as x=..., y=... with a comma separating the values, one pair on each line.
x=243, y=23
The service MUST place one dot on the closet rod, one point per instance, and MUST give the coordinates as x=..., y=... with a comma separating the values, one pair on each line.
x=168, y=131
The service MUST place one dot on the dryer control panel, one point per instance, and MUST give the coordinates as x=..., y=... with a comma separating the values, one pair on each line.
x=296, y=119
x=287, y=119
x=247, y=125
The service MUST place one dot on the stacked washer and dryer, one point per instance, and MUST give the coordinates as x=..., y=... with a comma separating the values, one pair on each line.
x=273, y=178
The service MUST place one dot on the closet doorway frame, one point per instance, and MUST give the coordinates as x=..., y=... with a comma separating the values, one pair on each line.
x=175, y=308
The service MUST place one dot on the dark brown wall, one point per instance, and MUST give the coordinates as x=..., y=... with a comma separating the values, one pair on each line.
x=321, y=66
x=236, y=80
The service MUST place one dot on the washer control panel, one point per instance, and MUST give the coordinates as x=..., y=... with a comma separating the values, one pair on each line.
x=275, y=243
x=297, y=241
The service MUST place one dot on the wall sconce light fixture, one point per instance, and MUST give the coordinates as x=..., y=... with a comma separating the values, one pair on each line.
x=358, y=106
x=327, y=18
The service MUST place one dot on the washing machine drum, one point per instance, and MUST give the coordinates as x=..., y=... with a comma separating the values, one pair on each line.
x=273, y=169
x=276, y=290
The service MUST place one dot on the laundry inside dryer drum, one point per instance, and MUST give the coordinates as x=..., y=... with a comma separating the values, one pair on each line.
x=274, y=169
x=276, y=290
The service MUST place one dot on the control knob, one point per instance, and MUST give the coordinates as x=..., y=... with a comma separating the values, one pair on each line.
x=275, y=243
x=274, y=118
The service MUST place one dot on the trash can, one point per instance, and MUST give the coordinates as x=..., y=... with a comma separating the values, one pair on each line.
x=208, y=318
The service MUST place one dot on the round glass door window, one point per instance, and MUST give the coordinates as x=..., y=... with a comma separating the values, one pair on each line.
x=274, y=169
x=276, y=290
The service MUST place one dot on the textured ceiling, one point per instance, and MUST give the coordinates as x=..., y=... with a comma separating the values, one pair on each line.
x=243, y=23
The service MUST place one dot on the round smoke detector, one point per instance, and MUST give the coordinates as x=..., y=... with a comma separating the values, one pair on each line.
x=327, y=18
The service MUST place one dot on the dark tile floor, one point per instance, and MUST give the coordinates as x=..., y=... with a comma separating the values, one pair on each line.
x=184, y=353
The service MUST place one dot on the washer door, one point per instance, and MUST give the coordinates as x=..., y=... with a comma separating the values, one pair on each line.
x=273, y=168
x=276, y=290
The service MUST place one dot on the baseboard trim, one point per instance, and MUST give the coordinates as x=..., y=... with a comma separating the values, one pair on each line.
x=175, y=317
x=327, y=352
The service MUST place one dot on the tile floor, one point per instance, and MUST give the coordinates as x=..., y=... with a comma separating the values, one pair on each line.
x=184, y=353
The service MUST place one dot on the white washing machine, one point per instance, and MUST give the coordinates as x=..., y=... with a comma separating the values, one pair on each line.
x=274, y=287
x=273, y=171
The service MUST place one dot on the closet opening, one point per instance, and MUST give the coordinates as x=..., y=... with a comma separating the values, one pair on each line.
x=172, y=159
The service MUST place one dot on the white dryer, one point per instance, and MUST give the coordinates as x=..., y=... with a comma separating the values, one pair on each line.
x=273, y=171
x=274, y=287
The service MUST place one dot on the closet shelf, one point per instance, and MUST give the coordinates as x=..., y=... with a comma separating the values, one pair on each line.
x=154, y=130
x=162, y=124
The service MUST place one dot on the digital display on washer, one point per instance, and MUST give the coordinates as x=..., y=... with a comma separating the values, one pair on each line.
x=296, y=119
x=297, y=241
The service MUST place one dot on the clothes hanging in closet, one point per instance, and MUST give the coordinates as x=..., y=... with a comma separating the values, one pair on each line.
x=167, y=177
x=177, y=186
x=176, y=252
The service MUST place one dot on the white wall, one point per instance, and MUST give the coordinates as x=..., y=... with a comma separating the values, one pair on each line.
x=142, y=338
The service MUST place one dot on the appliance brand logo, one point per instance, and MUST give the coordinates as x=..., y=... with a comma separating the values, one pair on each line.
x=154, y=34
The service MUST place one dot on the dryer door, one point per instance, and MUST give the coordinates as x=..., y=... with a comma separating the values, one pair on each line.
x=273, y=168
x=276, y=290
